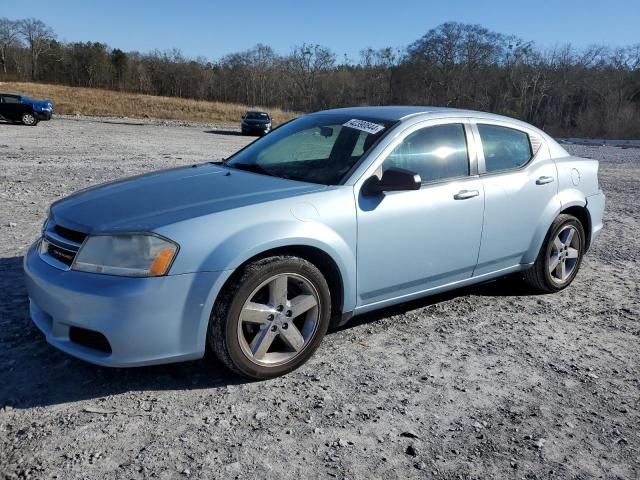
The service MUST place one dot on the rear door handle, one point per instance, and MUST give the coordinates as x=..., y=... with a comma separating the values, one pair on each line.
x=465, y=194
x=544, y=180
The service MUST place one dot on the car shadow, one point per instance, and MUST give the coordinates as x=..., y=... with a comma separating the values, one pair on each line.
x=35, y=374
x=232, y=133
x=124, y=122
x=502, y=287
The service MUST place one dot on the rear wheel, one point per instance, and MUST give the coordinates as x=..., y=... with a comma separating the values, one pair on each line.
x=271, y=318
x=560, y=256
x=29, y=119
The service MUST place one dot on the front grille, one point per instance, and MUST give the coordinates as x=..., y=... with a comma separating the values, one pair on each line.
x=72, y=235
x=65, y=256
x=60, y=245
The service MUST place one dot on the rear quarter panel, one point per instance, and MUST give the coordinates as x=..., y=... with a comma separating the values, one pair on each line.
x=577, y=179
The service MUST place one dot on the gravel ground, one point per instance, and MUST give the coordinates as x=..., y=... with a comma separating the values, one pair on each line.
x=488, y=382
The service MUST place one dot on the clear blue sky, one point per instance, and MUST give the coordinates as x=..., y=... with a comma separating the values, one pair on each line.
x=213, y=28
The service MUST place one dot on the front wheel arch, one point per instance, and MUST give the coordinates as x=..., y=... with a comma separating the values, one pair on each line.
x=29, y=119
x=228, y=342
x=316, y=256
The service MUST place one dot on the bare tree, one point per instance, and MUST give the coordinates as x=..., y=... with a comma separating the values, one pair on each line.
x=38, y=36
x=568, y=91
x=378, y=79
x=9, y=33
x=304, y=65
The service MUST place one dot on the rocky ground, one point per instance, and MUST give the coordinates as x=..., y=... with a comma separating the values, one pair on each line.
x=489, y=382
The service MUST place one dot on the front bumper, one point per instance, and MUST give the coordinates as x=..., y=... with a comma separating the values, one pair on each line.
x=145, y=320
x=259, y=129
x=44, y=115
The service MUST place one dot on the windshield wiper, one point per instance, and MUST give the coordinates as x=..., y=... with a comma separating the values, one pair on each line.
x=250, y=167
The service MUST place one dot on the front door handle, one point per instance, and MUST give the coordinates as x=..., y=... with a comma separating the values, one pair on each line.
x=465, y=194
x=544, y=180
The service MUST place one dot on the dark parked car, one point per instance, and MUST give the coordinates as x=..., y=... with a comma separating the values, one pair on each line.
x=256, y=123
x=18, y=108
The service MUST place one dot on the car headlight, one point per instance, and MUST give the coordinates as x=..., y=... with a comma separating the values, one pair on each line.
x=130, y=255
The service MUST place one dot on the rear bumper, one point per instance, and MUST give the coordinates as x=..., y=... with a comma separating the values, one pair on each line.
x=595, y=206
x=145, y=320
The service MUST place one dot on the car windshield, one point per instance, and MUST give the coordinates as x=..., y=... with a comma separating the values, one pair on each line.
x=320, y=148
x=257, y=116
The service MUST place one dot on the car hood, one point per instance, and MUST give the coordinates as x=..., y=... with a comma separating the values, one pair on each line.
x=153, y=200
x=41, y=104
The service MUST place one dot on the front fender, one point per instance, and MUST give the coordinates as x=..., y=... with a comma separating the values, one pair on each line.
x=222, y=241
x=256, y=239
x=235, y=250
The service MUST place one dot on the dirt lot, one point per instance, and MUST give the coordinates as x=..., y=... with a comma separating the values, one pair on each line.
x=488, y=382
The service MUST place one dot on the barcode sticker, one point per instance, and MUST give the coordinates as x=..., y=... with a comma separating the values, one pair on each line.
x=364, y=126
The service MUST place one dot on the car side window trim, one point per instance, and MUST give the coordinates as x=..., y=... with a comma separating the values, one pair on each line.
x=468, y=141
x=472, y=151
x=482, y=168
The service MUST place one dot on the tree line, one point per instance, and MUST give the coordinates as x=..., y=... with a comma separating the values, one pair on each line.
x=590, y=92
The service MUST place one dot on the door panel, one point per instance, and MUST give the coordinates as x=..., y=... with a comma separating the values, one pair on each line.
x=417, y=240
x=11, y=108
x=516, y=202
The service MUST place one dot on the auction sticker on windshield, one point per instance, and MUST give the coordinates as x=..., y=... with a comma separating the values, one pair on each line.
x=364, y=126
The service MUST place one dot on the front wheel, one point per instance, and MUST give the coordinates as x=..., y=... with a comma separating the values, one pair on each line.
x=560, y=256
x=271, y=317
x=29, y=119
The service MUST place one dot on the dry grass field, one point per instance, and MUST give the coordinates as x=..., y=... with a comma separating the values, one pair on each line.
x=97, y=102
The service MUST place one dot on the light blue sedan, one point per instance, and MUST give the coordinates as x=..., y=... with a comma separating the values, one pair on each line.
x=331, y=215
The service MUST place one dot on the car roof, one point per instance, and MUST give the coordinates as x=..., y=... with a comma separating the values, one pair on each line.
x=402, y=112
x=256, y=111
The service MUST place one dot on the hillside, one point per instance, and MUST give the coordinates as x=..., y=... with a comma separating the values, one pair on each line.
x=97, y=102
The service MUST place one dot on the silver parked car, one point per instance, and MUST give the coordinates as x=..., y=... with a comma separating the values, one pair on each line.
x=331, y=215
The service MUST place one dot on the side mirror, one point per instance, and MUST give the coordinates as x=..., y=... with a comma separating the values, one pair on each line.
x=393, y=180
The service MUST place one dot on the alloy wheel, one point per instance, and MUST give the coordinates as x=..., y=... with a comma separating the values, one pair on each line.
x=279, y=319
x=564, y=254
x=28, y=119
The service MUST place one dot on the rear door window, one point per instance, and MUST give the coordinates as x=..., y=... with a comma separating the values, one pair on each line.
x=504, y=148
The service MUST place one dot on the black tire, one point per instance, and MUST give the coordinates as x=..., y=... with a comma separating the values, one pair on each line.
x=539, y=277
x=222, y=335
x=29, y=119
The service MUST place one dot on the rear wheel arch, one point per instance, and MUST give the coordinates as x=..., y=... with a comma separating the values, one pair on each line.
x=540, y=275
x=582, y=214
